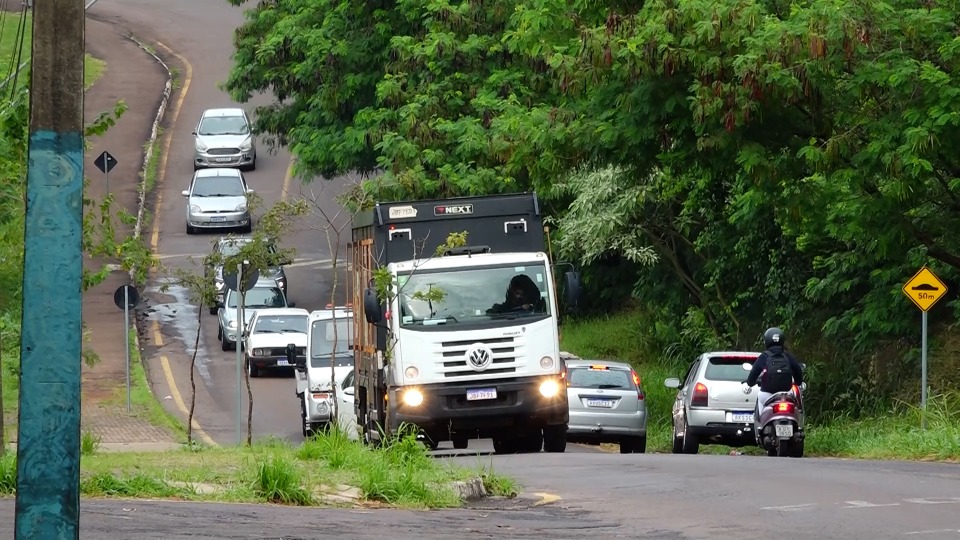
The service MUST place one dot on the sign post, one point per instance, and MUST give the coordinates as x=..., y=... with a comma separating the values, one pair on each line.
x=106, y=162
x=125, y=298
x=240, y=282
x=924, y=289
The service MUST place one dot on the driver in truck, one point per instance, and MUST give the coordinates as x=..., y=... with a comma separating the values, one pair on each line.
x=522, y=294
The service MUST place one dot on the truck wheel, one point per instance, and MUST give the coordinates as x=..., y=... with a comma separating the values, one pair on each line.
x=503, y=445
x=303, y=420
x=532, y=444
x=555, y=439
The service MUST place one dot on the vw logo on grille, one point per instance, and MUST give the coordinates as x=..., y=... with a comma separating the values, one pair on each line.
x=479, y=357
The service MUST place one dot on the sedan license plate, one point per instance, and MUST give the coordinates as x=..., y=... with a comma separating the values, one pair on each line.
x=224, y=159
x=742, y=417
x=604, y=403
x=218, y=218
x=784, y=431
x=477, y=394
x=282, y=362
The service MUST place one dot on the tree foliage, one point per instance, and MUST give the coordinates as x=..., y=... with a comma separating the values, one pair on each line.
x=738, y=162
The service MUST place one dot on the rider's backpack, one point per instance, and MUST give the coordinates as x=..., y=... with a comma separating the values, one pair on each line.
x=779, y=376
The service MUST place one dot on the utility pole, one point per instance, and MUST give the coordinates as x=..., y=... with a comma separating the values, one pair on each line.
x=48, y=446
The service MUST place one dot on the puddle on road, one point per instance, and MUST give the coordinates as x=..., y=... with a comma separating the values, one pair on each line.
x=180, y=315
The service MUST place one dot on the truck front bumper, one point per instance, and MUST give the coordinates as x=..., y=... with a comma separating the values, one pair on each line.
x=501, y=404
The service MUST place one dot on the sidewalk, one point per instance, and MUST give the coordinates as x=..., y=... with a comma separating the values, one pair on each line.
x=135, y=77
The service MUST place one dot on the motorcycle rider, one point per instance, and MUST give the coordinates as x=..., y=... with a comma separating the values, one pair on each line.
x=781, y=369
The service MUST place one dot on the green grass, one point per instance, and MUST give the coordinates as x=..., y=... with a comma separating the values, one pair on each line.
x=94, y=68
x=896, y=435
x=400, y=473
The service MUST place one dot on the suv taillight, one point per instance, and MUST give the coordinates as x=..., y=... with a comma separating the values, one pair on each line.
x=699, y=395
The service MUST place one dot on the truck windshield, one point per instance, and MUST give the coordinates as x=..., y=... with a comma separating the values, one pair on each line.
x=322, y=346
x=473, y=295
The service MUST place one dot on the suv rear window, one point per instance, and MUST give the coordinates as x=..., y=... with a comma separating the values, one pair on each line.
x=600, y=379
x=727, y=368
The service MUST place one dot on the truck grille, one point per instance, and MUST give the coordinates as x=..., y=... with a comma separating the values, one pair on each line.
x=453, y=356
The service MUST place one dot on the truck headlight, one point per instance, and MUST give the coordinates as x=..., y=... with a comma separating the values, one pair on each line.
x=546, y=362
x=413, y=397
x=411, y=372
x=549, y=388
x=258, y=352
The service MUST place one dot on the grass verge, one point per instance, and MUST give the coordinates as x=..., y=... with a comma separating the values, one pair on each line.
x=400, y=473
x=896, y=435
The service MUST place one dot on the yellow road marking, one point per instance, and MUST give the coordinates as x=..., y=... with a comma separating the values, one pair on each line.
x=287, y=178
x=165, y=364
x=174, y=114
x=546, y=498
x=155, y=235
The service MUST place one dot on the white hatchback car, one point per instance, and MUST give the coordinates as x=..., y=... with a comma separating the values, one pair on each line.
x=224, y=138
x=217, y=199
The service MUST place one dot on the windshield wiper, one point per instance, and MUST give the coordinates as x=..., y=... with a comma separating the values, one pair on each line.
x=266, y=332
x=293, y=330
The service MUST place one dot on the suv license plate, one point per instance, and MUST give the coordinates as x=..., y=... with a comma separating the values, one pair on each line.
x=742, y=417
x=784, y=430
x=477, y=394
x=605, y=403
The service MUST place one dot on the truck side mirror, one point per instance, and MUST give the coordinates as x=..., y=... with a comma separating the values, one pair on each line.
x=292, y=358
x=571, y=289
x=372, y=308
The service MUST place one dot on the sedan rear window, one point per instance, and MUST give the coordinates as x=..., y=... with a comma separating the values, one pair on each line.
x=613, y=379
x=728, y=368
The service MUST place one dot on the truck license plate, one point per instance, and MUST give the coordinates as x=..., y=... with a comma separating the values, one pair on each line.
x=604, y=403
x=742, y=417
x=476, y=394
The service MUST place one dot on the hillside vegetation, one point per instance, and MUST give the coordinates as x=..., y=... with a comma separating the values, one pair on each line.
x=714, y=167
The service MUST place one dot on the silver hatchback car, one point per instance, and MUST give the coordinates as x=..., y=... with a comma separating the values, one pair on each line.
x=711, y=406
x=217, y=199
x=224, y=138
x=607, y=404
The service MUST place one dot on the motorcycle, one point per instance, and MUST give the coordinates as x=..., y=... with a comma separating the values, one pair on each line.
x=779, y=426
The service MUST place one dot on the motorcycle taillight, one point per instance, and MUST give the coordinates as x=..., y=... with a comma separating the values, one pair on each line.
x=784, y=407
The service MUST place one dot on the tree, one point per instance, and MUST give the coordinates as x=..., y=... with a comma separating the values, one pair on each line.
x=271, y=224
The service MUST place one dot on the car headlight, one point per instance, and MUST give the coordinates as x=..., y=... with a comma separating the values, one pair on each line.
x=246, y=145
x=219, y=285
x=549, y=388
x=258, y=352
x=413, y=397
x=546, y=362
x=194, y=209
x=231, y=324
x=200, y=146
x=411, y=372
x=242, y=208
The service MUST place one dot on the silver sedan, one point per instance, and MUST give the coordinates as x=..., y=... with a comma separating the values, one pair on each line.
x=607, y=404
x=217, y=199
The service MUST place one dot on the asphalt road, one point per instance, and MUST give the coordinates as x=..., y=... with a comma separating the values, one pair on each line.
x=201, y=33
x=603, y=496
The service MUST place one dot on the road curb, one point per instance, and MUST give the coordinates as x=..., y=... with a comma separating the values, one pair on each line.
x=144, y=170
x=471, y=489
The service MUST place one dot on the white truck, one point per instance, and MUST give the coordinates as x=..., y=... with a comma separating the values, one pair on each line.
x=328, y=358
x=448, y=349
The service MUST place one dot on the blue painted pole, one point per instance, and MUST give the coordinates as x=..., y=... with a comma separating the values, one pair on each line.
x=48, y=444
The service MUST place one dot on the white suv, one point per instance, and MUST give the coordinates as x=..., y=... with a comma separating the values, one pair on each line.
x=711, y=406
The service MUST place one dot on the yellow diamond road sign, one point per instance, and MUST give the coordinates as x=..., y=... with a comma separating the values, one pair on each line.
x=925, y=289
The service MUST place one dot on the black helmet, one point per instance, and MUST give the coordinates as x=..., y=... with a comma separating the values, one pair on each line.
x=774, y=337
